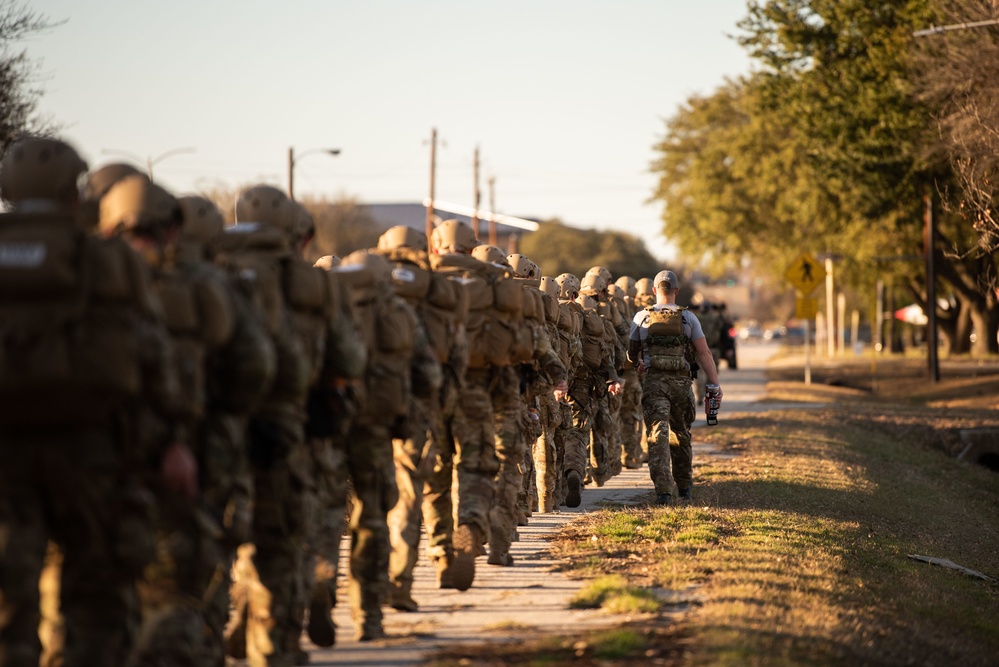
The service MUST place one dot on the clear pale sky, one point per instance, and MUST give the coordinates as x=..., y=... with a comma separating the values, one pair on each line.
x=565, y=98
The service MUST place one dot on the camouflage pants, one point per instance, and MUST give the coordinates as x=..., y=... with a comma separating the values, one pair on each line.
x=562, y=436
x=577, y=437
x=605, y=462
x=270, y=585
x=70, y=487
x=414, y=461
x=508, y=410
x=546, y=459
x=329, y=490
x=668, y=405
x=630, y=420
x=468, y=445
x=372, y=471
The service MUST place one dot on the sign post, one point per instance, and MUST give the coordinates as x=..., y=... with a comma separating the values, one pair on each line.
x=805, y=273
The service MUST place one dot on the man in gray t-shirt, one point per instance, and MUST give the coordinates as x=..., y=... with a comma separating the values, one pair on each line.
x=662, y=336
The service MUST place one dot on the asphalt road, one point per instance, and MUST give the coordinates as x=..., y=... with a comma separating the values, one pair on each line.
x=507, y=601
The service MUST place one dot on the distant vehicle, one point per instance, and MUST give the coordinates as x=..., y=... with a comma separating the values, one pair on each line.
x=750, y=331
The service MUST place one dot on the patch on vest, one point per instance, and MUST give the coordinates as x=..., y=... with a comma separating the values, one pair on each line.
x=22, y=255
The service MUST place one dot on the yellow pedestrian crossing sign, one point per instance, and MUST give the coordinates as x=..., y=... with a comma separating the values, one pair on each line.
x=805, y=273
x=806, y=308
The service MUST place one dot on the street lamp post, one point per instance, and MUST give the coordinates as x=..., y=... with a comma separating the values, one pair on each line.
x=293, y=159
x=149, y=160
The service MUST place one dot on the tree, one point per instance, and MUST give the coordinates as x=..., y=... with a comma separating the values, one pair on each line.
x=342, y=226
x=18, y=92
x=558, y=248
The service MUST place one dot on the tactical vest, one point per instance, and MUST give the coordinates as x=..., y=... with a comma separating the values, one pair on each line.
x=666, y=341
x=594, y=338
x=73, y=309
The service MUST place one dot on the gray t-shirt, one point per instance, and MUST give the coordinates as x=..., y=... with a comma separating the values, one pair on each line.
x=640, y=328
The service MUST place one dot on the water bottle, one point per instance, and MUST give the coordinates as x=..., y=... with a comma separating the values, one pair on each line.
x=711, y=404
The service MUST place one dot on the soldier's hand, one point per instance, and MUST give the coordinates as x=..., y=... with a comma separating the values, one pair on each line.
x=615, y=388
x=561, y=391
x=179, y=470
x=640, y=367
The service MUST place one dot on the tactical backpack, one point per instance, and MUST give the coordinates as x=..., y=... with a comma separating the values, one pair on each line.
x=496, y=334
x=595, y=346
x=668, y=345
x=72, y=311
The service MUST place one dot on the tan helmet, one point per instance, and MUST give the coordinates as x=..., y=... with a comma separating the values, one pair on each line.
x=550, y=286
x=489, y=253
x=327, y=262
x=586, y=302
x=379, y=267
x=600, y=271
x=135, y=203
x=303, y=225
x=644, y=287
x=593, y=284
x=100, y=180
x=615, y=290
x=266, y=204
x=627, y=283
x=522, y=266
x=453, y=236
x=402, y=236
x=203, y=221
x=568, y=286
x=38, y=168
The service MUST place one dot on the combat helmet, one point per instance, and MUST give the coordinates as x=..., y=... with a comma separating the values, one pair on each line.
x=593, y=284
x=614, y=290
x=203, y=221
x=402, y=236
x=568, y=286
x=522, y=266
x=550, y=286
x=601, y=271
x=489, y=253
x=644, y=287
x=378, y=269
x=627, y=283
x=96, y=185
x=303, y=225
x=41, y=172
x=266, y=204
x=137, y=204
x=453, y=236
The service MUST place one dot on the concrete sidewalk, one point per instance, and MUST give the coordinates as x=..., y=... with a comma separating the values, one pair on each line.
x=529, y=595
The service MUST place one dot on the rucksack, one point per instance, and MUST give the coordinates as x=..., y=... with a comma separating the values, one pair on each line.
x=72, y=311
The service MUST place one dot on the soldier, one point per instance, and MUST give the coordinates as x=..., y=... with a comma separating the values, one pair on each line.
x=91, y=355
x=566, y=337
x=545, y=381
x=663, y=339
x=400, y=364
x=644, y=293
x=434, y=298
x=630, y=416
x=227, y=367
x=470, y=443
x=712, y=325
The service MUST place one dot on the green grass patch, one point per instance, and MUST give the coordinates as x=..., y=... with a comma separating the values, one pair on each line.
x=614, y=594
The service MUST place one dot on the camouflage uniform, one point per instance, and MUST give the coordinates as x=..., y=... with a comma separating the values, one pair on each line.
x=712, y=323
x=71, y=478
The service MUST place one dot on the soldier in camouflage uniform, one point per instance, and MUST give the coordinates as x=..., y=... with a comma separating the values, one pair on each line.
x=630, y=419
x=71, y=453
x=664, y=338
x=712, y=325
x=549, y=449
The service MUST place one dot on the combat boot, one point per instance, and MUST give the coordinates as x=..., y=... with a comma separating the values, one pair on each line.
x=321, y=630
x=574, y=487
x=467, y=544
x=496, y=558
x=400, y=598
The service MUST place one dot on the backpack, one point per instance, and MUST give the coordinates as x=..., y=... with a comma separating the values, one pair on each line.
x=72, y=311
x=669, y=347
x=593, y=335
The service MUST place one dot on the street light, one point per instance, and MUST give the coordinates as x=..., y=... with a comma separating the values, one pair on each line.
x=149, y=160
x=292, y=159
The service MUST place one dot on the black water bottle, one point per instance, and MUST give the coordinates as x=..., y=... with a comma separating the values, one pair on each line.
x=711, y=404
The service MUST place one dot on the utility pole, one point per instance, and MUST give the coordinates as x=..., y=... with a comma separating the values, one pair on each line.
x=291, y=173
x=929, y=235
x=492, y=209
x=433, y=171
x=477, y=196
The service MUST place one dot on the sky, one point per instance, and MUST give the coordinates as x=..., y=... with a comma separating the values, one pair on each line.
x=565, y=99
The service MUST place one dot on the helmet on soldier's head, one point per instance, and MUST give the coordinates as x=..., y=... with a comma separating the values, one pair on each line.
x=303, y=225
x=453, y=236
x=489, y=253
x=600, y=271
x=380, y=268
x=550, y=286
x=586, y=302
x=96, y=185
x=203, y=221
x=644, y=287
x=327, y=262
x=266, y=204
x=136, y=204
x=402, y=236
x=522, y=266
x=38, y=168
x=615, y=290
x=627, y=283
x=568, y=286
x=593, y=284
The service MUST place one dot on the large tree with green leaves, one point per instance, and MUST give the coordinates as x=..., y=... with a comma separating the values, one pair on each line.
x=558, y=248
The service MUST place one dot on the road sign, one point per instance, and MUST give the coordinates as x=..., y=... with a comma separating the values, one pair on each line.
x=807, y=307
x=805, y=273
